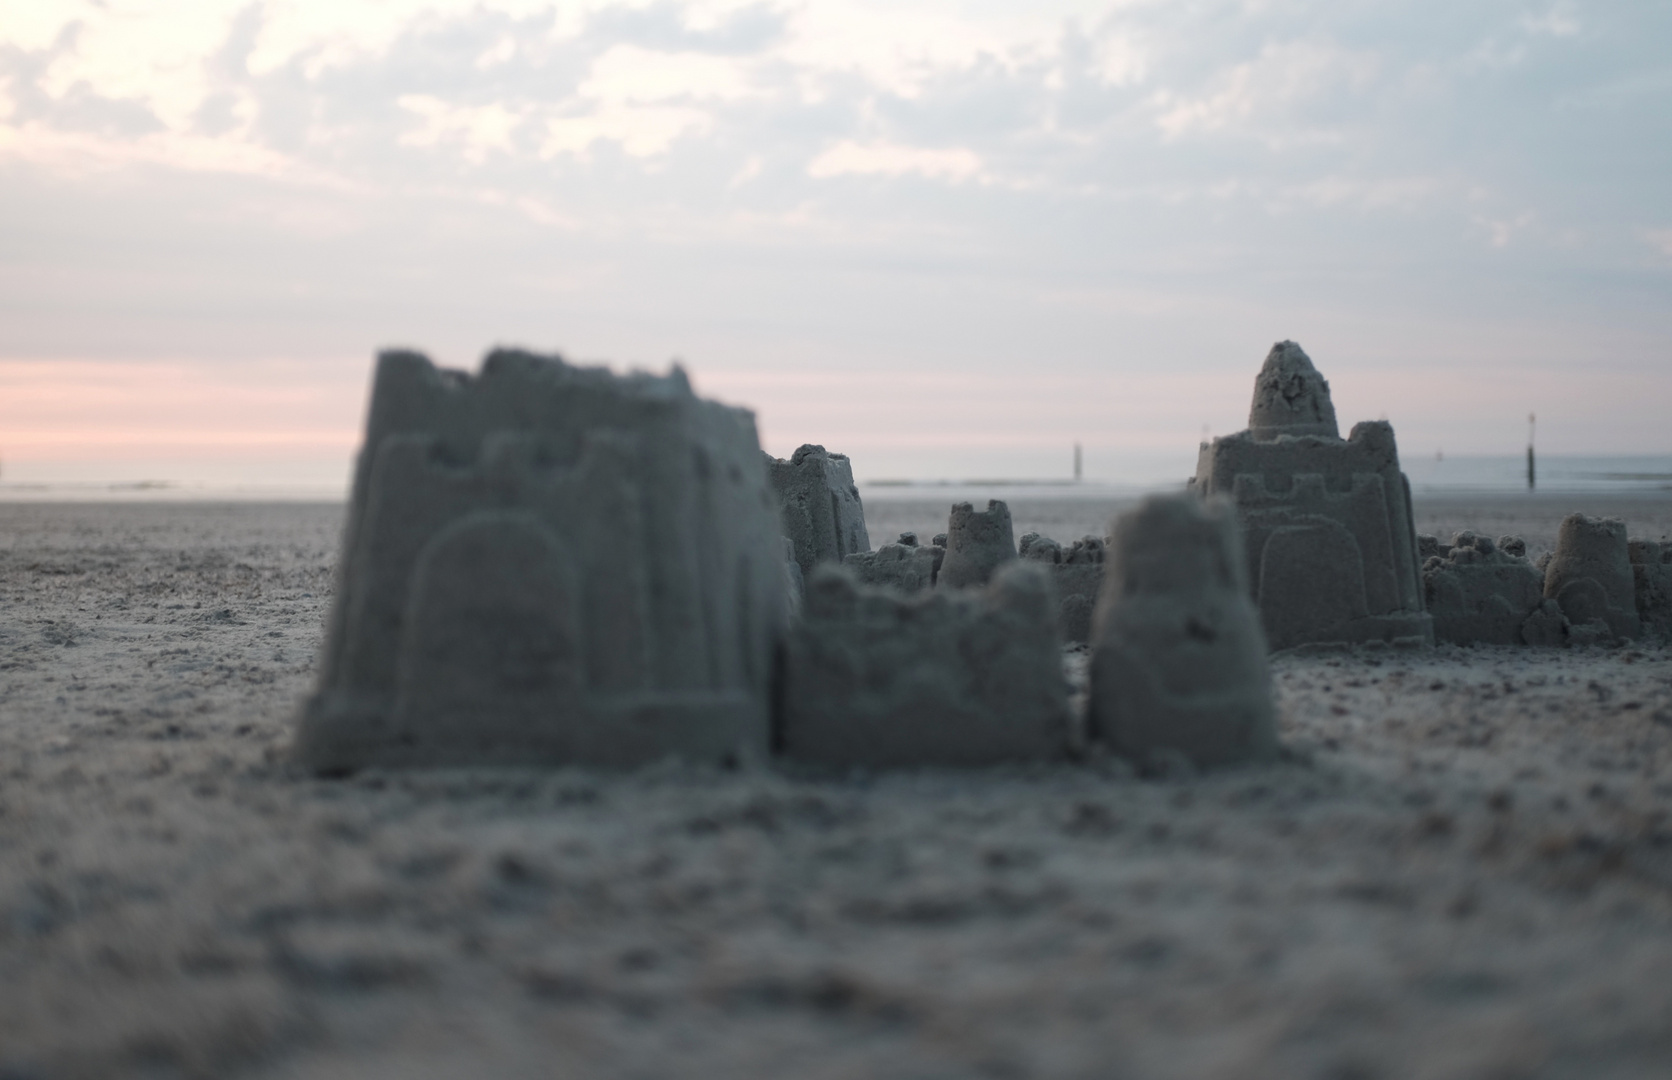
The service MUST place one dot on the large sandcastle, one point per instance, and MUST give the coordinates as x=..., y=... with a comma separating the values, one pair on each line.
x=549, y=564
x=1326, y=522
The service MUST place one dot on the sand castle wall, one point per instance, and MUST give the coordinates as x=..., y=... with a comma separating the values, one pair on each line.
x=905, y=564
x=1076, y=576
x=1651, y=568
x=549, y=564
x=1478, y=591
x=877, y=678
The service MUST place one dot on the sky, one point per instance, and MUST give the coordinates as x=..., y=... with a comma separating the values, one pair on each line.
x=947, y=239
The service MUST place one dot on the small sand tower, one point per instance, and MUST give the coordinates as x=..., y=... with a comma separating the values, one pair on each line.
x=818, y=505
x=1326, y=521
x=546, y=564
x=978, y=542
x=1178, y=661
x=1591, y=576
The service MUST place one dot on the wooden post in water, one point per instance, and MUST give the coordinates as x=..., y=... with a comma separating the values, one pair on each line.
x=1076, y=463
x=1532, y=421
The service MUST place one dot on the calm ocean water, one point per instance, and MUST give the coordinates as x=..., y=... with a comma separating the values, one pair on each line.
x=1625, y=475
x=1646, y=474
x=1504, y=474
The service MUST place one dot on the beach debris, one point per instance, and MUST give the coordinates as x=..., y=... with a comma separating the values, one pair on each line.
x=1076, y=572
x=1326, y=522
x=877, y=678
x=977, y=543
x=819, y=507
x=1178, y=657
x=1590, y=576
x=1651, y=569
x=1483, y=591
x=903, y=565
x=548, y=564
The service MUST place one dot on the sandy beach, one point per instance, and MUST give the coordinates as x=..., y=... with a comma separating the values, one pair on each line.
x=1461, y=868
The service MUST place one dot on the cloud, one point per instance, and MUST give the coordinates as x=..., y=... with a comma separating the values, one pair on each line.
x=1271, y=94
x=1501, y=232
x=639, y=131
x=477, y=130
x=650, y=178
x=848, y=158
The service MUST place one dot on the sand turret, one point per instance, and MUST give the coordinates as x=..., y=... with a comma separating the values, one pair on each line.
x=977, y=543
x=1178, y=658
x=1590, y=575
x=818, y=505
x=1290, y=397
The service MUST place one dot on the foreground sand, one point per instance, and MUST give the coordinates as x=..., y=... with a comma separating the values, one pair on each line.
x=1463, y=868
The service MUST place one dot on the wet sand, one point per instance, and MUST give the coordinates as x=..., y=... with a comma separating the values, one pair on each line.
x=1461, y=868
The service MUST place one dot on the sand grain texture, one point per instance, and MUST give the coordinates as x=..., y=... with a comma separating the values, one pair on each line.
x=1462, y=867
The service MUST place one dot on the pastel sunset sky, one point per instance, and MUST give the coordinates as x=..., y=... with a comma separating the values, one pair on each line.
x=948, y=239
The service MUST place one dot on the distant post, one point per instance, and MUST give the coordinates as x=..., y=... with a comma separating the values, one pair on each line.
x=1076, y=463
x=1532, y=421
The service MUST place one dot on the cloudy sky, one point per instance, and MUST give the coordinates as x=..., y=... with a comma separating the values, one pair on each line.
x=947, y=238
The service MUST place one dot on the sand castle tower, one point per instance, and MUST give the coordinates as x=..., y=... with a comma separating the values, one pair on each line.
x=1290, y=397
x=818, y=505
x=977, y=543
x=1178, y=657
x=547, y=564
x=1326, y=521
x=1591, y=576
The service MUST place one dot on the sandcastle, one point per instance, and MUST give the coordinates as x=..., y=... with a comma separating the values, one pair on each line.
x=546, y=564
x=1590, y=576
x=1481, y=591
x=977, y=543
x=1076, y=573
x=818, y=505
x=877, y=678
x=1178, y=659
x=1326, y=522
